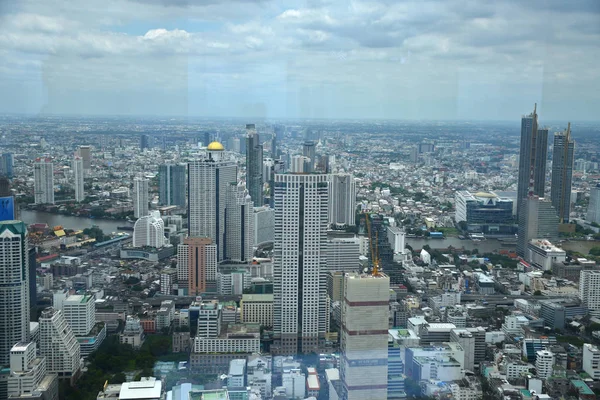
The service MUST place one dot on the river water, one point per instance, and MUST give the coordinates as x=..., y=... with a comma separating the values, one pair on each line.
x=69, y=222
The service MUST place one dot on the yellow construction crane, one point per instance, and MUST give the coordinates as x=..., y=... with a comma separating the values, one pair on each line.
x=374, y=248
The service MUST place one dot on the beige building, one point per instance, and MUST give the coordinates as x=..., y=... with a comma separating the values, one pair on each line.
x=257, y=308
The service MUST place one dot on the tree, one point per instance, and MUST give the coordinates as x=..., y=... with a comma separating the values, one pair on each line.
x=537, y=293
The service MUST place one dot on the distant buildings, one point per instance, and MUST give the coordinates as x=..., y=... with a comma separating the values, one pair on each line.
x=43, y=175
x=254, y=165
x=149, y=231
x=145, y=142
x=140, y=197
x=201, y=264
x=593, y=211
x=85, y=152
x=78, y=178
x=309, y=151
x=171, y=182
x=562, y=173
x=342, y=200
x=239, y=224
x=484, y=212
x=264, y=225
x=537, y=220
x=6, y=165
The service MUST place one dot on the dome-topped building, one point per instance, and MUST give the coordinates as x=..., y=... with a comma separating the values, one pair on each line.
x=215, y=146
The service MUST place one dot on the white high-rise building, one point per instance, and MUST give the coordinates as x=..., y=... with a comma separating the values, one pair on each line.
x=239, y=232
x=343, y=254
x=208, y=180
x=544, y=364
x=593, y=211
x=27, y=370
x=300, y=266
x=264, y=225
x=43, y=185
x=149, y=231
x=364, y=338
x=78, y=178
x=14, y=287
x=140, y=197
x=589, y=291
x=59, y=345
x=80, y=313
x=591, y=360
x=342, y=199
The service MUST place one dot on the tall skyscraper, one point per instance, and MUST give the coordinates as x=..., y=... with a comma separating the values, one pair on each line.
x=589, y=291
x=533, y=155
x=342, y=199
x=6, y=165
x=172, y=184
x=85, y=152
x=140, y=197
x=300, y=276
x=201, y=263
x=78, y=178
x=144, y=142
x=208, y=180
x=364, y=336
x=537, y=220
x=593, y=211
x=149, y=231
x=43, y=185
x=239, y=224
x=4, y=187
x=59, y=345
x=309, y=150
x=14, y=287
x=254, y=165
x=562, y=173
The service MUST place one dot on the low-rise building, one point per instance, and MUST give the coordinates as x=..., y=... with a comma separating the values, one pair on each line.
x=543, y=254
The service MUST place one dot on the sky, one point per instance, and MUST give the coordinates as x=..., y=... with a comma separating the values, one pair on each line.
x=387, y=59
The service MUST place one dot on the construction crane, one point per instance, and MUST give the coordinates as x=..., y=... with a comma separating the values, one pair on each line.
x=374, y=248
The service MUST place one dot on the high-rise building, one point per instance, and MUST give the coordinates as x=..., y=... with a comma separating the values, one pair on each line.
x=254, y=165
x=202, y=264
x=239, y=224
x=537, y=220
x=562, y=173
x=149, y=231
x=6, y=165
x=78, y=178
x=544, y=364
x=28, y=378
x=593, y=211
x=309, y=150
x=533, y=154
x=144, y=142
x=342, y=199
x=14, y=287
x=171, y=182
x=85, y=152
x=140, y=196
x=364, y=337
x=300, y=285
x=589, y=291
x=43, y=185
x=264, y=225
x=59, y=345
x=208, y=180
x=80, y=313
x=4, y=186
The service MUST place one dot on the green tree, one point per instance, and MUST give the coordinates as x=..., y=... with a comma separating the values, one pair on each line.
x=537, y=293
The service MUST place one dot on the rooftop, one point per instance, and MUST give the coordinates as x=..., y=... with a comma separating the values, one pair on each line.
x=147, y=388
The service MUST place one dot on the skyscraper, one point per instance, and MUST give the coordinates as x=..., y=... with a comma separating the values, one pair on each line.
x=254, y=165
x=85, y=152
x=589, y=291
x=14, y=287
x=78, y=178
x=59, y=345
x=144, y=142
x=6, y=165
x=300, y=285
x=208, y=180
x=239, y=224
x=202, y=264
x=533, y=154
x=172, y=184
x=364, y=337
x=562, y=173
x=149, y=231
x=537, y=220
x=593, y=211
x=4, y=186
x=309, y=150
x=140, y=197
x=342, y=199
x=43, y=185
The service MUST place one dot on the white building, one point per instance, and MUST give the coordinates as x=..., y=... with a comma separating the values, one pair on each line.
x=294, y=382
x=80, y=313
x=544, y=363
x=513, y=324
x=593, y=211
x=239, y=230
x=133, y=333
x=591, y=360
x=208, y=180
x=264, y=225
x=168, y=280
x=343, y=254
x=299, y=248
x=146, y=389
x=236, y=378
x=467, y=341
x=250, y=344
x=257, y=308
x=14, y=289
x=43, y=185
x=259, y=375
x=425, y=256
x=78, y=178
x=26, y=369
x=397, y=239
x=589, y=290
x=140, y=197
x=543, y=254
x=209, y=320
x=58, y=344
x=364, y=339
x=342, y=199
x=149, y=231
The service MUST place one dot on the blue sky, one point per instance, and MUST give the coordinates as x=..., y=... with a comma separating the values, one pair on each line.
x=431, y=59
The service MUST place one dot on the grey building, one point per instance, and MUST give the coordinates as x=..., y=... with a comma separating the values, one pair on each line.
x=537, y=220
x=593, y=211
x=556, y=312
x=254, y=165
x=171, y=182
x=342, y=199
x=309, y=149
x=562, y=173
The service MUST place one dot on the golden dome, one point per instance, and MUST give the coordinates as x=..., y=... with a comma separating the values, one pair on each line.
x=215, y=146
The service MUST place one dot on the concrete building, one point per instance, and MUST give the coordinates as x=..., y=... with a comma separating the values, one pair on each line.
x=59, y=345
x=208, y=180
x=484, y=212
x=239, y=224
x=209, y=320
x=300, y=293
x=264, y=225
x=6, y=165
x=26, y=369
x=343, y=254
x=591, y=361
x=544, y=364
x=140, y=196
x=342, y=200
x=80, y=313
x=395, y=375
x=43, y=185
x=257, y=308
x=254, y=165
x=589, y=291
x=593, y=211
x=472, y=340
x=78, y=178
x=571, y=270
x=364, y=338
x=171, y=184
x=149, y=231
x=543, y=254
x=201, y=263
x=309, y=152
x=133, y=333
x=294, y=382
x=435, y=332
x=424, y=362
x=85, y=152
x=168, y=280
x=556, y=312
x=537, y=220
x=236, y=378
x=562, y=173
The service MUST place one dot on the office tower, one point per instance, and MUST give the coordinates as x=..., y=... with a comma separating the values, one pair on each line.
x=28, y=378
x=593, y=211
x=43, y=174
x=6, y=165
x=533, y=154
x=78, y=178
x=274, y=149
x=364, y=336
x=589, y=291
x=4, y=187
x=300, y=286
x=85, y=152
x=171, y=182
x=80, y=313
x=206, y=138
x=309, y=151
x=202, y=264
x=14, y=287
x=149, y=231
x=537, y=220
x=254, y=165
x=59, y=345
x=239, y=224
x=140, y=197
x=31, y=254
x=208, y=180
x=144, y=142
x=342, y=200
x=323, y=164
x=343, y=254
x=562, y=173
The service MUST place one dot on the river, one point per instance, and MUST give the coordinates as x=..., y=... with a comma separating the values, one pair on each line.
x=70, y=222
x=484, y=246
